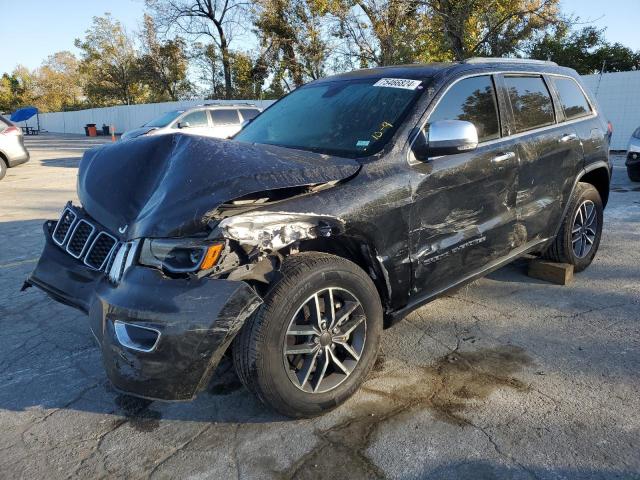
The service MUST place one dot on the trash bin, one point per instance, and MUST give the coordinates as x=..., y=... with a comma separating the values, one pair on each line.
x=86, y=130
x=91, y=128
x=105, y=129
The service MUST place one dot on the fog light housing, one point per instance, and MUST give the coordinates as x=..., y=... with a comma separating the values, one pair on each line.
x=136, y=337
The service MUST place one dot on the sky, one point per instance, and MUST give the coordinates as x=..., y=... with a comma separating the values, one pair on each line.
x=31, y=30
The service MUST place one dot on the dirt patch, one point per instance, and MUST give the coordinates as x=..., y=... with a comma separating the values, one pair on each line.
x=454, y=383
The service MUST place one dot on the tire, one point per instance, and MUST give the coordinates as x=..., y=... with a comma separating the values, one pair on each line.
x=562, y=249
x=259, y=348
x=634, y=173
x=3, y=168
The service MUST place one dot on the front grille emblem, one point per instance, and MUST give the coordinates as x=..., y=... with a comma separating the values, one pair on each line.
x=123, y=229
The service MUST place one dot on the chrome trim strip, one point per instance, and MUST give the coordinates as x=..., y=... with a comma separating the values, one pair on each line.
x=66, y=236
x=84, y=247
x=106, y=259
x=123, y=337
x=594, y=112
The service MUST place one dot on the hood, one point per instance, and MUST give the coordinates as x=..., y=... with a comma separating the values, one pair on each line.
x=136, y=132
x=163, y=186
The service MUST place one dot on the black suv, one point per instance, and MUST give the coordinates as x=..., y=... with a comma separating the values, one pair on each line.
x=341, y=208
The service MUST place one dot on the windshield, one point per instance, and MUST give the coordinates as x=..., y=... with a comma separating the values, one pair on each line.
x=164, y=120
x=353, y=118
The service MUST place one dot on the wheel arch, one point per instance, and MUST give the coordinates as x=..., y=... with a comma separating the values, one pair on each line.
x=358, y=251
x=600, y=178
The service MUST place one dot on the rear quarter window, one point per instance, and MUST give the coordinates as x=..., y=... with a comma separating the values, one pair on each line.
x=530, y=102
x=574, y=103
x=225, y=117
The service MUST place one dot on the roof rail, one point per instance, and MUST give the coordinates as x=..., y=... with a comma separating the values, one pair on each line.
x=220, y=104
x=474, y=60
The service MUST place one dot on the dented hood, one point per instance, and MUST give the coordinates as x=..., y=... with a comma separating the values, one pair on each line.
x=162, y=186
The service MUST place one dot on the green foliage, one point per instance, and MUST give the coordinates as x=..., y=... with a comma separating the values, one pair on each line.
x=584, y=50
x=109, y=64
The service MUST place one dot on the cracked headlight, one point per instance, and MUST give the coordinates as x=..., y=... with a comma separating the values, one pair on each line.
x=181, y=255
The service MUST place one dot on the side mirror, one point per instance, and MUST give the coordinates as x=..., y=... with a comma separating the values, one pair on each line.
x=445, y=137
x=184, y=124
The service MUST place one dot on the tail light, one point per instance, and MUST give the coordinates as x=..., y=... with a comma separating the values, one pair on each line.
x=11, y=131
x=609, y=129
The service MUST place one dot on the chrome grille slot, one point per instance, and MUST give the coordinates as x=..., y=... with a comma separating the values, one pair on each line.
x=99, y=250
x=79, y=238
x=63, y=227
x=122, y=259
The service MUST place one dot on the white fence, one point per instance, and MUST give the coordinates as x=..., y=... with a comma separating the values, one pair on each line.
x=124, y=117
x=619, y=97
x=617, y=93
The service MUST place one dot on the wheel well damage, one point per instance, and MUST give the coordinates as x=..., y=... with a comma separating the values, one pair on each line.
x=599, y=178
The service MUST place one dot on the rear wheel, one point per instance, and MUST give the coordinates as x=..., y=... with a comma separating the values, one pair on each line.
x=3, y=168
x=579, y=236
x=314, y=340
x=634, y=173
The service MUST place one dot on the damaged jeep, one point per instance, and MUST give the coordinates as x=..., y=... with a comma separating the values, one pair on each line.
x=344, y=206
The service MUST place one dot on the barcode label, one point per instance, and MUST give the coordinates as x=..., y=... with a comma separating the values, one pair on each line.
x=405, y=83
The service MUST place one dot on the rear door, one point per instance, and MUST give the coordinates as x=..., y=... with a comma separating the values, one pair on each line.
x=550, y=154
x=463, y=206
x=226, y=122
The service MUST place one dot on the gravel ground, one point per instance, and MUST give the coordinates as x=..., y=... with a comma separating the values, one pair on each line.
x=509, y=377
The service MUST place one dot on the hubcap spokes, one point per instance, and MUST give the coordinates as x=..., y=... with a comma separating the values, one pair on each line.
x=585, y=226
x=324, y=340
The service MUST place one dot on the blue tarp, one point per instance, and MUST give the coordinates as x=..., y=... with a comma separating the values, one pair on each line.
x=23, y=114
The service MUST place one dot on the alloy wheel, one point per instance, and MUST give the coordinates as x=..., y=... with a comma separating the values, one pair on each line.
x=583, y=231
x=325, y=340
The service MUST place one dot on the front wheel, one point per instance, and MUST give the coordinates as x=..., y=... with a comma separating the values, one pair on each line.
x=314, y=340
x=579, y=236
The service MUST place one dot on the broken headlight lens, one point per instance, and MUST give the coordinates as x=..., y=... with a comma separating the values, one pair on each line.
x=180, y=255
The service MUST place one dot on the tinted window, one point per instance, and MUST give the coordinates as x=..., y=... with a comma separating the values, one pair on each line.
x=196, y=119
x=249, y=113
x=530, y=102
x=572, y=99
x=474, y=100
x=225, y=117
x=353, y=117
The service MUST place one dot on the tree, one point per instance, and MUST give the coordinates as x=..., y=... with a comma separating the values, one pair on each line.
x=163, y=65
x=291, y=38
x=584, y=50
x=212, y=18
x=494, y=28
x=109, y=64
x=17, y=89
x=58, y=83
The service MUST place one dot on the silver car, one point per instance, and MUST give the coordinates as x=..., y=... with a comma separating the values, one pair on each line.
x=12, y=149
x=219, y=121
x=633, y=157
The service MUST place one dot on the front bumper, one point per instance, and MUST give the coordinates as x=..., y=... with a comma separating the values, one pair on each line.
x=633, y=153
x=196, y=320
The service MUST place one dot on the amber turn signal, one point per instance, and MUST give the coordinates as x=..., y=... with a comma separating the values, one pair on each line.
x=211, y=257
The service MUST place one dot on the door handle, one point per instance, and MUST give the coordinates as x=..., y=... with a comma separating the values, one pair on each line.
x=568, y=137
x=504, y=156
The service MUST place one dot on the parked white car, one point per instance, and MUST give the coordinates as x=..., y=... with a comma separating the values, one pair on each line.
x=213, y=120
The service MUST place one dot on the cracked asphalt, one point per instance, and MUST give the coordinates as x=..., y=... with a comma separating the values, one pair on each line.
x=509, y=377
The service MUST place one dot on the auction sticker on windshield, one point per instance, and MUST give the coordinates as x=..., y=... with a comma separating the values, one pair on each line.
x=398, y=83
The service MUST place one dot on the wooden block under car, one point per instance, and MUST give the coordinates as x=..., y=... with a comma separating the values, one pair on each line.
x=559, y=273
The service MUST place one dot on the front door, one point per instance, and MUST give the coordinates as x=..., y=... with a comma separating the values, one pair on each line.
x=463, y=214
x=194, y=123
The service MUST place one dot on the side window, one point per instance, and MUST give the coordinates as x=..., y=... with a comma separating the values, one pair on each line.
x=574, y=104
x=474, y=100
x=249, y=113
x=225, y=117
x=530, y=101
x=196, y=119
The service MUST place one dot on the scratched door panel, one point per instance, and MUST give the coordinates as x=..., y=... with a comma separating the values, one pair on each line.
x=463, y=215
